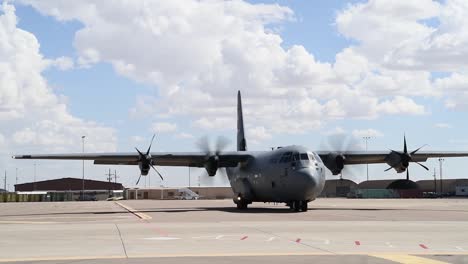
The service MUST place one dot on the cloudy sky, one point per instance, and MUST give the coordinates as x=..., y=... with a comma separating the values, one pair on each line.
x=119, y=71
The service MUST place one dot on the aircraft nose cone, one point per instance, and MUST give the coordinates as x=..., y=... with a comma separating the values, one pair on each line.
x=308, y=184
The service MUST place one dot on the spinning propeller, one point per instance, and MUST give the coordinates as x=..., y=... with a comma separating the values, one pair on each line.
x=145, y=162
x=211, y=163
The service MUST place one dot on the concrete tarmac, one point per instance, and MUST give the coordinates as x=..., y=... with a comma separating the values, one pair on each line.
x=145, y=231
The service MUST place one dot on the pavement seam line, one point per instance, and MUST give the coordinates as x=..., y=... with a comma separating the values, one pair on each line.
x=121, y=240
x=134, y=212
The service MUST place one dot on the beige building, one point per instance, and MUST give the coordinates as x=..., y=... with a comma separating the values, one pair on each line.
x=175, y=193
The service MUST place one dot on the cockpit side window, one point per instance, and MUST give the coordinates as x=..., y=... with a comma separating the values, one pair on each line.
x=311, y=157
x=304, y=156
x=317, y=157
x=286, y=157
x=296, y=157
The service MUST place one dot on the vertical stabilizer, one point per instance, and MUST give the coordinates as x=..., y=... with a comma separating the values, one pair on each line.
x=241, y=143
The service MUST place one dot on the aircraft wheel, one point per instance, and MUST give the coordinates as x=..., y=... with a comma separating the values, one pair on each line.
x=295, y=206
x=304, y=206
x=241, y=206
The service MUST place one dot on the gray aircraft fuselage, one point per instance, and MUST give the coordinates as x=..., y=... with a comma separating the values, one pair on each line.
x=285, y=174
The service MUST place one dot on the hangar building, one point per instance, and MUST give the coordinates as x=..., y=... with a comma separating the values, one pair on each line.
x=338, y=188
x=69, y=189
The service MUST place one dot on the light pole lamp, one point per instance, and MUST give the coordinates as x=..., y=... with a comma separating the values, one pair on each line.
x=441, y=160
x=367, y=164
x=82, y=181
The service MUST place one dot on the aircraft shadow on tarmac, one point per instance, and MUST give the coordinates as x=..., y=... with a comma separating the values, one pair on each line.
x=260, y=210
x=257, y=210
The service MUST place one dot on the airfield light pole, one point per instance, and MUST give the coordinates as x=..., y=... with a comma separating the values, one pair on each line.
x=441, y=160
x=82, y=180
x=367, y=164
x=34, y=182
x=4, y=182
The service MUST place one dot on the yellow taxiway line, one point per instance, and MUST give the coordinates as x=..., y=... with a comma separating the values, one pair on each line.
x=408, y=259
x=135, y=212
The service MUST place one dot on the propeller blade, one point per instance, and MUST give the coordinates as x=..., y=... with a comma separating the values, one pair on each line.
x=139, y=152
x=138, y=180
x=414, y=151
x=204, y=145
x=422, y=165
x=388, y=169
x=157, y=172
x=405, y=148
x=407, y=174
x=149, y=148
x=221, y=144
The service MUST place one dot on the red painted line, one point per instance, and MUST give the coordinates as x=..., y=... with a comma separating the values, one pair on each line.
x=423, y=246
x=298, y=240
x=244, y=238
x=357, y=243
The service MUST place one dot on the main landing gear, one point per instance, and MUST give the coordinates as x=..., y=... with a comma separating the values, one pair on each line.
x=241, y=202
x=298, y=206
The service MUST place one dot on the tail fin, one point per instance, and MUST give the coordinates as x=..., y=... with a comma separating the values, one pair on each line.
x=241, y=143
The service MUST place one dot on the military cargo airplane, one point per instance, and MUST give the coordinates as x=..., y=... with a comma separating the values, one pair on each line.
x=293, y=175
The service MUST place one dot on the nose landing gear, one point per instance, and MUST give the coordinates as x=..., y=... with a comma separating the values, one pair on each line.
x=298, y=206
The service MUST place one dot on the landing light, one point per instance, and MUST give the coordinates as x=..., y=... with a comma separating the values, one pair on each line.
x=238, y=198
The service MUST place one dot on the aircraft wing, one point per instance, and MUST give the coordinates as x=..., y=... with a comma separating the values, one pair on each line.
x=187, y=159
x=370, y=157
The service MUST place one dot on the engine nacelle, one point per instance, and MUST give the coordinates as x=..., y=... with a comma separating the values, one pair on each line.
x=144, y=168
x=398, y=161
x=211, y=165
x=334, y=162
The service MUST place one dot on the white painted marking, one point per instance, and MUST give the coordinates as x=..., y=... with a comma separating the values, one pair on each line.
x=219, y=237
x=460, y=248
x=271, y=239
x=389, y=244
x=327, y=242
x=162, y=238
x=204, y=237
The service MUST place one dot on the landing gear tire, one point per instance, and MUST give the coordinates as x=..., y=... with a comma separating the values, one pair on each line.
x=241, y=206
x=241, y=202
x=298, y=206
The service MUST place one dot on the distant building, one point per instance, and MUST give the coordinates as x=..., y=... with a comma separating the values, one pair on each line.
x=67, y=184
x=449, y=186
x=70, y=189
x=3, y=191
x=338, y=188
x=395, y=188
x=177, y=193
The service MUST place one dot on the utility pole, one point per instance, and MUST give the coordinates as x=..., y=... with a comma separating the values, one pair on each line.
x=109, y=179
x=441, y=160
x=435, y=181
x=34, y=183
x=189, y=176
x=115, y=176
x=16, y=176
x=82, y=181
x=4, y=182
